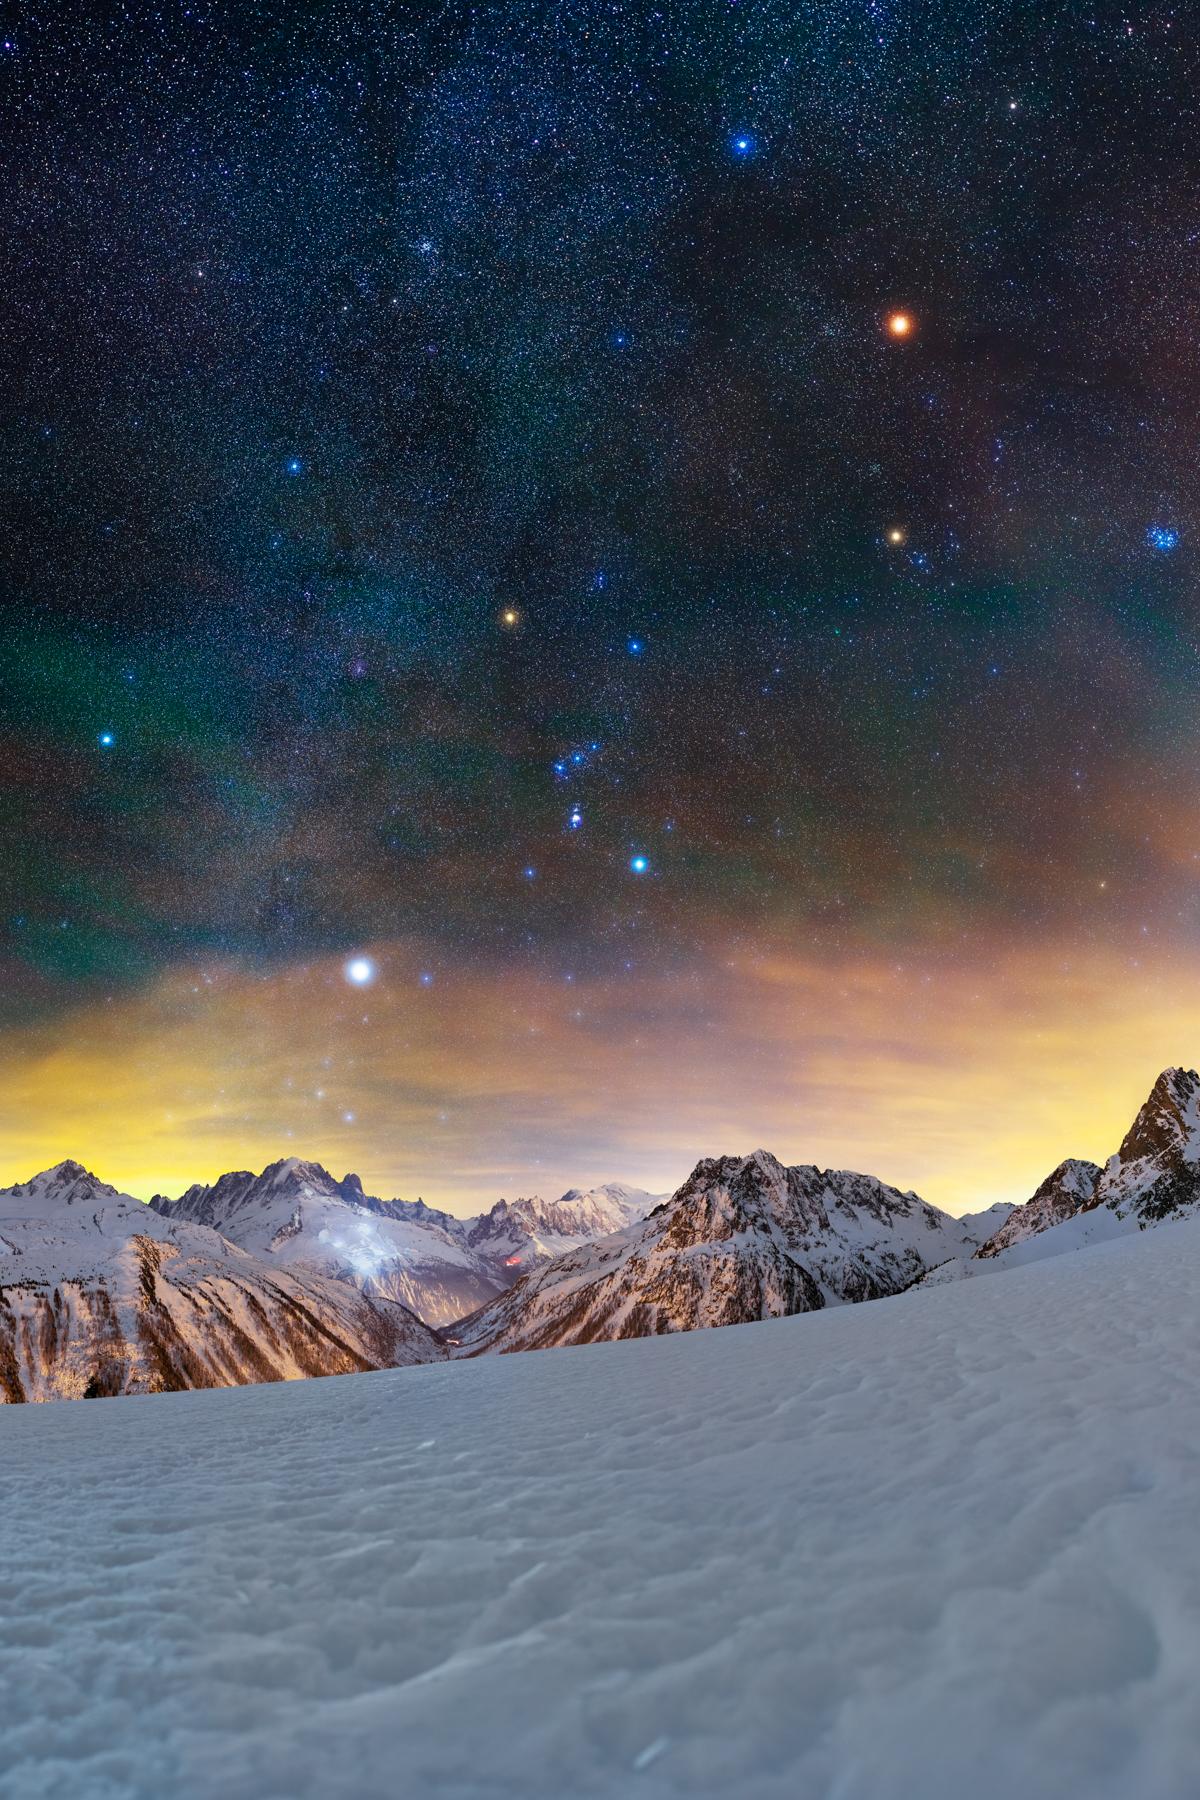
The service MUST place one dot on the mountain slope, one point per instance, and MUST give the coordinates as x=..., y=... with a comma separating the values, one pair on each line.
x=296, y=1215
x=1063, y=1193
x=980, y=1226
x=1154, y=1177
x=100, y=1295
x=744, y=1238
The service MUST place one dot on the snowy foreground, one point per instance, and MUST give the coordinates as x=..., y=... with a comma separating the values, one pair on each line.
x=939, y=1545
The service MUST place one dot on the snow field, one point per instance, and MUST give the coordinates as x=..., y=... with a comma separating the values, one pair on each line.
x=940, y=1545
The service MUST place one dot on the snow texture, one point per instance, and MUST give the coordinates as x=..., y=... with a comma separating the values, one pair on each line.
x=942, y=1545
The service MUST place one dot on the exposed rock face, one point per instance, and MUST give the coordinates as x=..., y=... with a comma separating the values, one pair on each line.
x=1156, y=1173
x=1154, y=1176
x=744, y=1238
x=99, y=1295
x=297, y=1215
x=1064, y=1192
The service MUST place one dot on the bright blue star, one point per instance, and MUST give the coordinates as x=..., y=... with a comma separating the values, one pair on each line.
x=1163, y=538
x=360, y=970
x=639, y=864
x=530, y=874
x=427, y=979
x=293, y=466
x=635, y=646
x=575, y=819
x=106, y=739
x=743, y=144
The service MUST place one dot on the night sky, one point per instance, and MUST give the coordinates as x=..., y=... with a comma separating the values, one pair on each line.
x=473, y=520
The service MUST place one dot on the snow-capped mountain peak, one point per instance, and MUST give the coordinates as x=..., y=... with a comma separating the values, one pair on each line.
x=1169, y=1121
x=744, y=1238
x=67, y=1184
x=100, y=1294
x=518, y=1235
x=296, y=1214
x=1066, y=1190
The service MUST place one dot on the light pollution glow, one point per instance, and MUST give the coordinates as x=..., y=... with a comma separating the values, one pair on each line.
x=967, y=1082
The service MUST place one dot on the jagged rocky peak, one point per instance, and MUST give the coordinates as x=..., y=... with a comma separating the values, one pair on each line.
x=67, y=1184
x=744, y=1238
x=1068, y=1189
x=1168, y=1122
x=295, y=1172
x=292, y=1177
x=1156, y=1173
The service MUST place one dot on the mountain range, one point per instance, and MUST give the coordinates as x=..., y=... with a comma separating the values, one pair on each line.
x=100, y=1295
x=437, y=1265
x=293, y=1273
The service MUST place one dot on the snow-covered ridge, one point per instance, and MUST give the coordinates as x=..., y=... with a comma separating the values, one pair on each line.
x=1153, y=1177
x=744, y=1238
x=297, y=1214
x=101, y=1295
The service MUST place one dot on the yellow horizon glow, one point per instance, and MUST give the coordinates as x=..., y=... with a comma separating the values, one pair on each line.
x=966, y=1083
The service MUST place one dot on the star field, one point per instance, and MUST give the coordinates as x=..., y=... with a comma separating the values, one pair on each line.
x=533, y=536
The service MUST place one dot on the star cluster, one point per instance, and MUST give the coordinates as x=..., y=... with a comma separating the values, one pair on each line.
x=494, y=514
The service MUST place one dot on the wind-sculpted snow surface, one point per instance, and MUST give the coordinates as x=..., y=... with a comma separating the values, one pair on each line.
x=744, y=1238
x=940, y=1546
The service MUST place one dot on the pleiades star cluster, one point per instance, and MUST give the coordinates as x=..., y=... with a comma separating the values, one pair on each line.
x=588, y=584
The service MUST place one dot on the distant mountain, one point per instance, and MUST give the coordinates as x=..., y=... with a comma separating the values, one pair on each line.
x=744, y=1238
x=981, y=1225
x=519, y=1235
x=297, y=1215
x=101, y=1295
